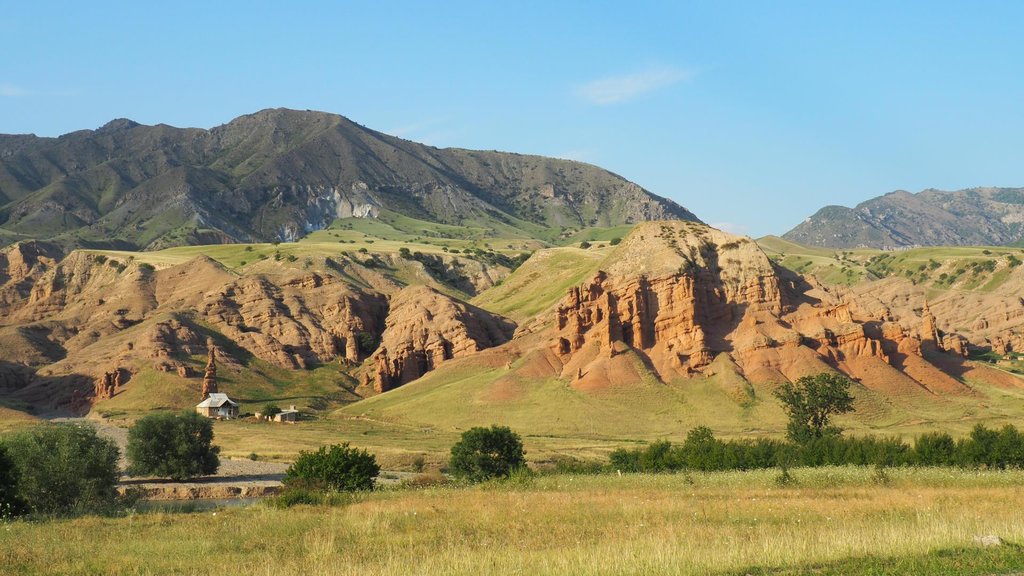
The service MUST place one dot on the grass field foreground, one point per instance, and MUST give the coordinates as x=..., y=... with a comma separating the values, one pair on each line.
x=832, y=520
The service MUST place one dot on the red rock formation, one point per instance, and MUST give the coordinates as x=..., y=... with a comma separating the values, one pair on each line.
x=307, y=320
x=680, y=309
x=425, y=328
x=674, y=303
x=210, y=377
x=929, y=333
x=107, y=384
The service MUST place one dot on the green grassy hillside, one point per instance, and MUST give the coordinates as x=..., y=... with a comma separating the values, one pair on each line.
x=982, y=268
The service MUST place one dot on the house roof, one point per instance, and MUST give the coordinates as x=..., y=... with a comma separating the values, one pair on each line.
x=216, y=400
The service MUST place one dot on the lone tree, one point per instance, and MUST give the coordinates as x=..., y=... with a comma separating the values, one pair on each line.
x=811, y=402
x=175, y=446
x=485, y=453
x=337, y=467
x=64, y=469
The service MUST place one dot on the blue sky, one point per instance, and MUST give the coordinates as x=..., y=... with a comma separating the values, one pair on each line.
x=751, y=114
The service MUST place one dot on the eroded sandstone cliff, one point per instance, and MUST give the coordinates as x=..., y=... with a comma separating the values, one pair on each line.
x=425, y=328
x=681, y=294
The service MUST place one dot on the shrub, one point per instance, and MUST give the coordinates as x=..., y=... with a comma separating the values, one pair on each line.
x=10, y=503
x=485, y=453
x=270, y=410
x=934, y=449
x=367, y=342
x=64, y=469
x=1002, y=448
x=572, y=465
x=615, y=241
x=294, y=496
x=584, y=244
x=337, y=467
x=659, y=457
x=834, y=450
x=623, y=460
x=175, y=446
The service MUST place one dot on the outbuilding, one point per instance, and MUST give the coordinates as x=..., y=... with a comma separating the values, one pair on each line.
x=289, y=415
x=218, y=405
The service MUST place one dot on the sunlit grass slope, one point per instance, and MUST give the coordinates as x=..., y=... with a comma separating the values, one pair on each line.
x=980, y=268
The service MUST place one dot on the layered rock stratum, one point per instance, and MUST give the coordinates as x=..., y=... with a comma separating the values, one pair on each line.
x=674, y=302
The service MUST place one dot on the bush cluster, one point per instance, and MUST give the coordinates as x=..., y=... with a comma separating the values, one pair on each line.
x=337, y=467
x=59, y=469
x=983, y=448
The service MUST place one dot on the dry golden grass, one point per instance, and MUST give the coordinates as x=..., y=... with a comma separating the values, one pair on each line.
x=644, y=524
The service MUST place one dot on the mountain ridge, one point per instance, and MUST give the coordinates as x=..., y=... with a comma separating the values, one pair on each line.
x=278, y=174
x=972, y=216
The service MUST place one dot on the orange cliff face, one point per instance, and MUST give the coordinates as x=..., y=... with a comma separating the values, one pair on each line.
x=83, y=314
x=425, y=328
x=679, y=295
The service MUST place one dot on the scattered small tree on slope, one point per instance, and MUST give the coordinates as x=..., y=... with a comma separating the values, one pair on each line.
x=64, y=469
x=337, y=467
x=175, y=446
x=811, y=402
x=485, y=453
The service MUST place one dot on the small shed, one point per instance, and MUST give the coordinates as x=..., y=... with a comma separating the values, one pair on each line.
x=289, y=415
x=218, y=405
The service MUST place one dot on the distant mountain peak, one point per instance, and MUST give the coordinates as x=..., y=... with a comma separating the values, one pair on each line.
x=118, y=125
x=974, y=216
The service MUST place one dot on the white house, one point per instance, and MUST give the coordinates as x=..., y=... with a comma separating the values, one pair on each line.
x=218, y=405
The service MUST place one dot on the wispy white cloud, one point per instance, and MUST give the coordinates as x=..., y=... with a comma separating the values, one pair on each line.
x=616, y=89
x=732, y=228
x=12, y=91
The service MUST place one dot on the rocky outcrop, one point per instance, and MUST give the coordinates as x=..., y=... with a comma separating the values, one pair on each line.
x=299, y=322
x=678, y=298
x=424, y=329
x=107, y=385
x=694, y=293
x=172, y=338
x=210, y=375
